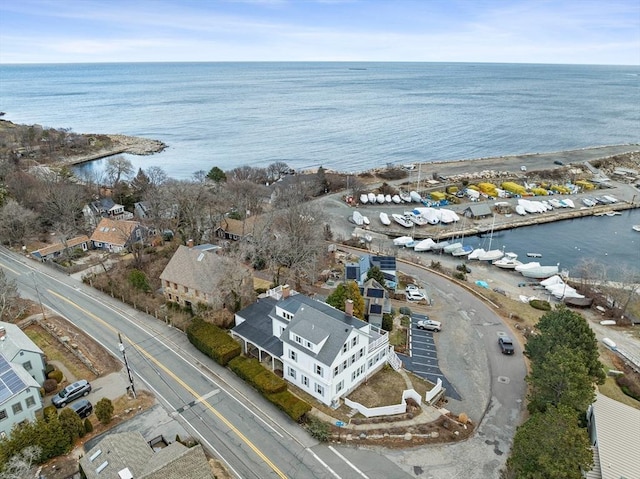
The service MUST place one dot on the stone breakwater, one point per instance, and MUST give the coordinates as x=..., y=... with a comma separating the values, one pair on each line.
x=133, y=145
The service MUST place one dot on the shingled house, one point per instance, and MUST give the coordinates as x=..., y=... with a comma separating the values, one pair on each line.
x=55, y=250
x=127, y=455
x=116, y=236
x=322, y=350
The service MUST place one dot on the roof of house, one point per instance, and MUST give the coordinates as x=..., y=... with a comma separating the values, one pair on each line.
x=15, y=340
x=331, y=323
x=239, y=227
x=618, y=437
x=54, y=248
x=113, y=231
x=257, y=326
x=193, y=268
x=479, y=209
x=129, y=450
x=13, y=380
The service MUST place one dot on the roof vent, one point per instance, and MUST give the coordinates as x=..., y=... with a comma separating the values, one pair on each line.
x=95, y=454
x=100, y=468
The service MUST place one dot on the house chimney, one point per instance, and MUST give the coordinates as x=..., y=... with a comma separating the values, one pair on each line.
x=190, y=243
x=348, y=307
x=285, y=291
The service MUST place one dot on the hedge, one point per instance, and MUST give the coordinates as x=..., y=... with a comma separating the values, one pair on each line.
x=295, y=407
x=212, y=341
x=540, y=304
x=255, y=374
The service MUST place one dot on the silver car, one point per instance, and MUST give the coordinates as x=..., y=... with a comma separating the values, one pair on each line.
x=71, y=393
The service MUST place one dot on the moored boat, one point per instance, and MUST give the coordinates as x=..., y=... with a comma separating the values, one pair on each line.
x=402, y=220
x=636, y=228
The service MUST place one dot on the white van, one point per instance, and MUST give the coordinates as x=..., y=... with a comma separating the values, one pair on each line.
x=415, y=295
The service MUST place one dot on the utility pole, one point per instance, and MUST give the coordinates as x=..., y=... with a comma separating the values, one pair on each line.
x=35, y=286
x=131, y=387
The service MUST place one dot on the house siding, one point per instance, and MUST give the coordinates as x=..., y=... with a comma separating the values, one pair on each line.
x=28, y=413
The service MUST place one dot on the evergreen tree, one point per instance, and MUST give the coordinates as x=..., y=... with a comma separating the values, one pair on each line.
x=104, y=410
x=344, y=291
x=217, y=175
x=71, y=424
x=375, y=273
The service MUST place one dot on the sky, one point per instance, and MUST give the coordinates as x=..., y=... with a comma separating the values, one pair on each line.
x=603, y=32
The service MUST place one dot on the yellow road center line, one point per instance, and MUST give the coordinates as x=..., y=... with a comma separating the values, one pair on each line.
x=185, y=386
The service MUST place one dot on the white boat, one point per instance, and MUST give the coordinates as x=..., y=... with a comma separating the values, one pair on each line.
x=636, y=228
x=384, y=218
x=396, y=199
x=365, y=220
x=534, y=255
x=371, y=197
x=364, y=199
x=368, y=238
x=474, y=254
x=448, y=216
x=490, y=255
x=401, y=220
x=440, y=245
x=611, y=199
x=568, y=202
x=613, y=213
x=555, y=203
x=508, y=261
x=387, y=198
x=524, y=266
x=432, y=215
x=450, y=248
x=540, y=272
x=380, y=198
x=418, y=219
x=463, y=251
x=588, y=202
x=415, y=196
x=357, y=218
x=402, y=240
x=406, y=197
x=424, y=245
x=520, y=210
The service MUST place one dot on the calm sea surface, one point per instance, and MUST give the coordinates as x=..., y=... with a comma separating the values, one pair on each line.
x=348, y=117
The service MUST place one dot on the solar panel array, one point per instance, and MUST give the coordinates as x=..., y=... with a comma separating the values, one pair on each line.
x=375, y=309
x=384, y=262
x=375, y=293
x=10, y=382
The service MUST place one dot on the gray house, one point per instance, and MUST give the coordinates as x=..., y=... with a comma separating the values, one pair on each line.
x=17, y=348
x=19, y=396
x=127, y=455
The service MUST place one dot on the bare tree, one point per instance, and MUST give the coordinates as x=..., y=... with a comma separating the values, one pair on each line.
x=16, y=222
x=21, y=464
x=8, y=294
x=191, y=200
x=277, y=170
x=248, y=173
x=118, y=168
x=62, y=204
x=157, y=176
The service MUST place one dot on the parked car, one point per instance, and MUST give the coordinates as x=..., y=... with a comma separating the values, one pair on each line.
x=411, y=287
x=71, y=393
x=558, y=162
x=415, y=295
x=523, y=168
x=429, y=325
x=506, y=345
x=82, y=408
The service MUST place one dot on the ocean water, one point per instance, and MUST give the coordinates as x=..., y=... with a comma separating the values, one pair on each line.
x=351, y=117
x=345, y=116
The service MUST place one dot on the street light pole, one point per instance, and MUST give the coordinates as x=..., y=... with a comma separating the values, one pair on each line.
x=35, y=286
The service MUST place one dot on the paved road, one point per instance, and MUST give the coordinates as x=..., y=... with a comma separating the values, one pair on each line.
x=251, y=436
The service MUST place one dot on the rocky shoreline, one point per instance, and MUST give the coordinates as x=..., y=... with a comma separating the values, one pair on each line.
x=133, y=145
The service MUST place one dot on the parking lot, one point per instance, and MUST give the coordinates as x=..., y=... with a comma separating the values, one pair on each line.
x=423, y=355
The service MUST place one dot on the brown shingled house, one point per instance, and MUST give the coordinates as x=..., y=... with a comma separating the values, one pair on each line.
x=235, y=230
x=52, y=251
x=116, y=236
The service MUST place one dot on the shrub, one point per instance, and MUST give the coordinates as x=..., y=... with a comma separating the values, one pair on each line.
x=320, y=430
x=540, y=304
x=212, y=341
x=255, y=374
x=268, y=383
x=629, y=387
x=139, y=280
x=49, y=385
x=104, y=410
x=88, y=427
x=56, y=374
x=460, y=276
x=49, y=411
x=71, y=424
x=387, y=322
x=48, y=368
x=406, y=310
x=295, y=407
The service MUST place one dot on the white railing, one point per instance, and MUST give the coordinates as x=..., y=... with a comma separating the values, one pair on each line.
x=381, y=341
x=393, y=359
x=428, y=398
x=385, y=410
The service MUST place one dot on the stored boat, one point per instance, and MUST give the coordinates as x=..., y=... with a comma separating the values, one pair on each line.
x=387, y=198
x=418, y=219
x=424, y=245
x=402, y=240
x=380, y=198
x=578, y=302
x=371, y=197
x=463, y=250
x=508, y=261
x=636, y=228
x=406, y=197
x=357, y=218
x=384, y=218
x=364, y=199
x=365, y=220
x=522, y=267
x=474, y=254
x=396, y=199
x=439, y=245
x=491, y=255
x=540, y=272
x=415, y=196
x=401, y=220
x=450, y=248
x=588, y=202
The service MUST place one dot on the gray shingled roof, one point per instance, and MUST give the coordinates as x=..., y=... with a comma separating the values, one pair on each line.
x=308, y=329
x=336, y=323
x=479, y=209
x=126, y=449
x=258, y=327
x=193, y=268
x=15, y=341
x=178, y=462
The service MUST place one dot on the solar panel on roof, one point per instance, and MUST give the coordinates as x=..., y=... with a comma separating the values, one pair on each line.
x=375, y=293
x=375, y=309
x=10, y=382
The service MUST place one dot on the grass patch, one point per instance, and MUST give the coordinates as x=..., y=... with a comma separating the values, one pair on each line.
x=382, y=389
x=54, y=351
x=420, y=385
x=613, y=391
x=398, y=337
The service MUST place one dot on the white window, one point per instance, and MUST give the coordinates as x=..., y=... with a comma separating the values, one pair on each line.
x=345, y=347
x=339, y=386
x=292, y=355
x=336, y=370
x=298, y=339
x=319, y=370
x=354, y=341
x=309, y=345
x=27, y=365
x=361, y=353
x=319, y=389
x=292, y=373
x=3, y=414
x=305, y=380
x=17, y=408
x=30, y=401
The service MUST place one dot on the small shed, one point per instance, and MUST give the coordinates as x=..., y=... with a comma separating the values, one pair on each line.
x=477, y=210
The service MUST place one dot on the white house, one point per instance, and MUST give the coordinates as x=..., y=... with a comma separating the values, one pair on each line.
x=17, y=348
x=19, y=396
x=322, y=350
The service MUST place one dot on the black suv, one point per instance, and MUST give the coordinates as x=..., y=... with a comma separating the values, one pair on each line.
x=71, y=392
x=82, y=408
x=506, y=345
